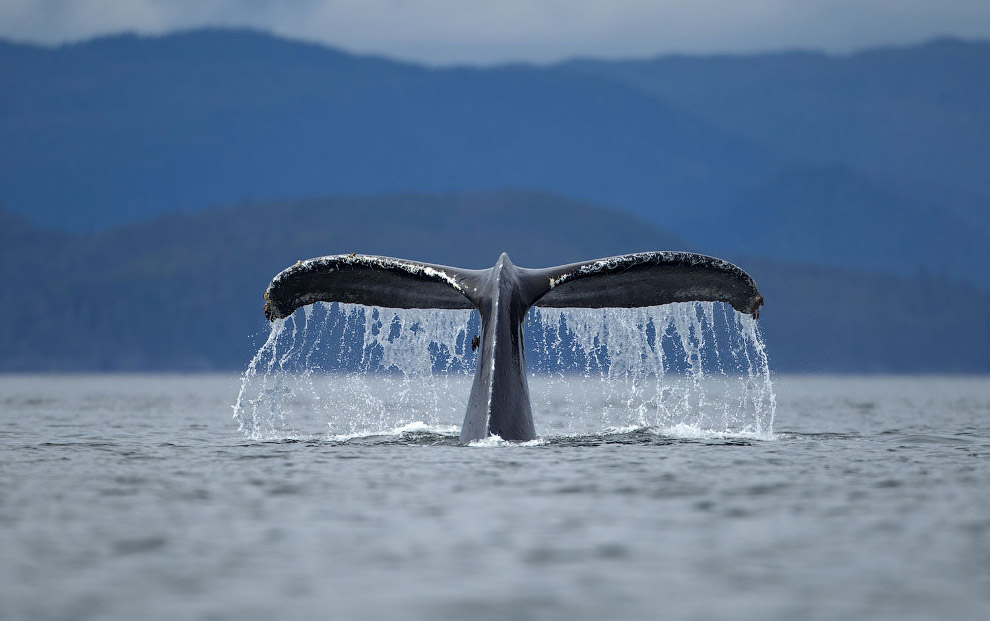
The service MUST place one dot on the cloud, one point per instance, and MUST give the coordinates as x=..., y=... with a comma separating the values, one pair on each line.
x=449, y=31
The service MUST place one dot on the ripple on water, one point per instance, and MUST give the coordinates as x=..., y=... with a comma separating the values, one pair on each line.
x=607, y=523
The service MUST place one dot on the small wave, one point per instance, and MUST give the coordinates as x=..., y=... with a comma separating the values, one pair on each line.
x=683, y=431
x=919, y=438
x=408, y=429
x=494, y=441
x=656, y=436
x=611, y=431
x=287, y=437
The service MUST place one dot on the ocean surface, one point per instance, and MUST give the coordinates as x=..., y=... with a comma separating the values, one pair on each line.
x=138, y=497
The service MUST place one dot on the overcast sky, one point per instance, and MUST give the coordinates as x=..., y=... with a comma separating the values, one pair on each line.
x=487, y=31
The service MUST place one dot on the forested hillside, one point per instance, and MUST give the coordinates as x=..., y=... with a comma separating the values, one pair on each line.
x=184, y=291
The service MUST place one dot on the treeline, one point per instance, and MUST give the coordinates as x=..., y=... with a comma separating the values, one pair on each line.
x=183, y=292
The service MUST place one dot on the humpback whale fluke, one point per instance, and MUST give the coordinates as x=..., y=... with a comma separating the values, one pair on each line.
x=499, y=402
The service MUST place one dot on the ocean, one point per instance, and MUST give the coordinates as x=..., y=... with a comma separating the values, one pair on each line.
x=139, y=496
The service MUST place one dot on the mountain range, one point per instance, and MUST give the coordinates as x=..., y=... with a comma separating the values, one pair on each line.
x=874, y=160
x=149, y=185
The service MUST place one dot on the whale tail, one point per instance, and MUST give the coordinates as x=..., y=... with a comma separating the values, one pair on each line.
x=626, y=281
x=369, y=280
x=648, y=279
x=499, y=400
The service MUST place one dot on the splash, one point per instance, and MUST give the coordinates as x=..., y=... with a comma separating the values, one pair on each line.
x=699, y=364
x=344, y=371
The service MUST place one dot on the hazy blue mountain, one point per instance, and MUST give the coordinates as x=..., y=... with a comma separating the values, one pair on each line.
x=184, y=291
x=916, y=116
x=874, y=161
x=825, y=319
x=889, y=150
x=808, y=213
x=124, y=127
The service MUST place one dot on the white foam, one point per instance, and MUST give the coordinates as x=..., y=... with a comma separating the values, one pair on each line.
x=495, y=441
x=416, y=427
x=622, y=430
x=683, y=431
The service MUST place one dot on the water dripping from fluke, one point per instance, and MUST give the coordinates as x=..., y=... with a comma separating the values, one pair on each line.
x=347, y=372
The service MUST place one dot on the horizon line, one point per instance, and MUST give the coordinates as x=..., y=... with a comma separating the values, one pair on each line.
x=578, y=57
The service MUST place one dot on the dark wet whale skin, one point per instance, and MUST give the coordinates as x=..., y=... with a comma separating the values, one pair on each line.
x=499, y=403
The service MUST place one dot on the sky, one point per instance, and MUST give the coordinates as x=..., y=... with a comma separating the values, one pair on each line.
x=444, y=32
